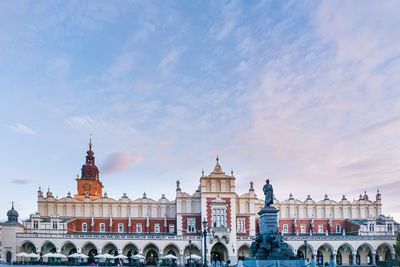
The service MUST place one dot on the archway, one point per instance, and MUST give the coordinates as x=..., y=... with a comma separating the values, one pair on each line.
x=130, y=250
x=90, y=250
x=364, y=254
x=171, y=249
x=344, y=255
x=194, y=250
x=48, y=247
x=384, y=252
x=219, y=253
x=8, y=256
x=28, y=247
x=67, y=249
x=301, y=252
x=151, y=253
x=324, y=254
x=111, y=249
x=243, y=252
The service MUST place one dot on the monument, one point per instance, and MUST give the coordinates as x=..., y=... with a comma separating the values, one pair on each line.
x=269, y=248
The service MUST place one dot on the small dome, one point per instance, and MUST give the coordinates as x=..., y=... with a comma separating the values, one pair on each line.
x=12, y=212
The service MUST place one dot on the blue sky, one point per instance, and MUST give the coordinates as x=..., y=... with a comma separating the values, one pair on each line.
x=305, y=93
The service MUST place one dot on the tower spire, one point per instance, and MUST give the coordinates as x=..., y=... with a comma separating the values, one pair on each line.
x=90, y=141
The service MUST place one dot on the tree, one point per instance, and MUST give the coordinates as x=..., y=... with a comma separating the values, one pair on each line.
x=397, y=245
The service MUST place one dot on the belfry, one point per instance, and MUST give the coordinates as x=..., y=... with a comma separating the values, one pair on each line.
x=89, y=184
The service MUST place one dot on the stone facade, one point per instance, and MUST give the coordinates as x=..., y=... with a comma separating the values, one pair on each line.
x=347, y=231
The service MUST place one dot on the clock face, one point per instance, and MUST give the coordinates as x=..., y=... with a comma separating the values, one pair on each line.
x=86, y=186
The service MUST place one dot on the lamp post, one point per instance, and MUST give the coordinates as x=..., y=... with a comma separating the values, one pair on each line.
x=305, y=250
x=205, y=242
x=190, y=252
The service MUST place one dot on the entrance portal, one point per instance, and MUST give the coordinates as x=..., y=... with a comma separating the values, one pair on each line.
x=219, y=253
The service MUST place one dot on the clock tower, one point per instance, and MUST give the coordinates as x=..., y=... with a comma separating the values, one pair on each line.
x=89, y=183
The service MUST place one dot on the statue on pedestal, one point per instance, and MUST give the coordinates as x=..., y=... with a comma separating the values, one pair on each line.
x=269, y=194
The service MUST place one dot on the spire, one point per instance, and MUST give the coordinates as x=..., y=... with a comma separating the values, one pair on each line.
x=217, y=168
x=90, y=142
x=89, y=169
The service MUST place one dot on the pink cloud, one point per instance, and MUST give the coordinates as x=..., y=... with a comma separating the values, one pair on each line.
x=119, y=161
x=19, y=180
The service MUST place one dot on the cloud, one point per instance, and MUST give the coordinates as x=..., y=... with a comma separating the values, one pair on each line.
x=20, y=128
x=119, y=161
x=19, y=180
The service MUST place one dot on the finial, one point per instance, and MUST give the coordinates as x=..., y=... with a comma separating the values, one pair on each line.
x=90, y=141
x=231, y=172
x=217, y=158
x=202, y=173
x=251, y=185
x=12, y=205
x=77, y=176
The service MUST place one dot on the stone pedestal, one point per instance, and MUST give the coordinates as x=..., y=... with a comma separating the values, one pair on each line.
x=274, y=263
x=268, y=220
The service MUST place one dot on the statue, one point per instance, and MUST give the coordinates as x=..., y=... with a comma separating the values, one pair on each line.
x=269, y=194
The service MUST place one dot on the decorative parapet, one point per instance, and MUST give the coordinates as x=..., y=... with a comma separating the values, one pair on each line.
x=107, y=236
x=324, y=237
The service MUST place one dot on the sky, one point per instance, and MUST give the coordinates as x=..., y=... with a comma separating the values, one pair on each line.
x=305, y=93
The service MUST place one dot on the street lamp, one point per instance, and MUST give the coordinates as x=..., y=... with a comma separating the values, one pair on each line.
x=305, y=250
x=190, y=252
x=205, y=242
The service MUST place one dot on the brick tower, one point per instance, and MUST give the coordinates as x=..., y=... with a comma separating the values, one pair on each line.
x=89, y=183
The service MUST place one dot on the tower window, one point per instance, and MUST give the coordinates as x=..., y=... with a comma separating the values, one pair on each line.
x=156, y=228
x=35, y=225
x=55, y=225
x=285, y=228
x=102, y=227
x=338, y=230
x=120, y=228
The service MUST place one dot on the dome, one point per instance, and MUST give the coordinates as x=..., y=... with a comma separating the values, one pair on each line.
x=12, y=212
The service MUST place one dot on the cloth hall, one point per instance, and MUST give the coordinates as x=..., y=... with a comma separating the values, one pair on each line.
x=214, y=222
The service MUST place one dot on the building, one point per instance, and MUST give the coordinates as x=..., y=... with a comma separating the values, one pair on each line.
x=349, y=232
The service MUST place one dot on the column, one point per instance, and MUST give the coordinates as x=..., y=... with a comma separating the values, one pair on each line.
x=373, y=258
x=181, y=259
x=334, y=258
x=354, y=258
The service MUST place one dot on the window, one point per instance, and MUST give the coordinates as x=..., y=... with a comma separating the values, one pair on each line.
x=55, y=225
x=102, y=227
x=303, y=228
x=320, y=228
x=389, y=227
x=35, y=225
x=285, y=228
x=219, y=218
x=156, y=228
x=171, y=228
x=191, y=225
x=120, y=228
x=372, y=227
x=84, y=227
x=139, y=227
x=241, y=228
x=338, y=230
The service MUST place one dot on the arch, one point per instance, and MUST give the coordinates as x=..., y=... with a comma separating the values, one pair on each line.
x=219, y=252
x=27, y=246
x=384, y=252
x=68, y=248
x=171, y=247
x=151, y=252
x=47, y=246
x=301, y=251
x=364, y=255
x=325, y=254
x=191, y=250
x=110, y=248
x=243, y=252
x=128, y=247
x=90, y=250
x=344, y=254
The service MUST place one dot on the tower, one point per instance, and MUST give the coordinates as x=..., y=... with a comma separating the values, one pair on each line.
x=89, y=183
x=8, y=235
